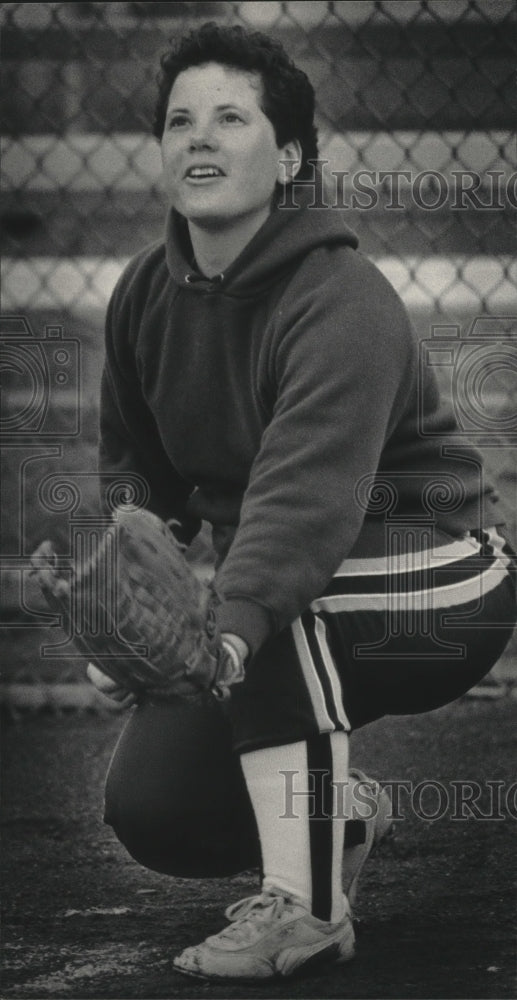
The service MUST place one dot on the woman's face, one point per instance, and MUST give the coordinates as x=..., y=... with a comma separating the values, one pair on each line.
x=219, y=152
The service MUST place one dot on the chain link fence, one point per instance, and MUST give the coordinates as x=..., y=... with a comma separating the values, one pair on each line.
x=416, y=116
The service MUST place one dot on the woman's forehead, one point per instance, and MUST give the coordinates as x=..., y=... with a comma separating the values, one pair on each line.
x=211, y=81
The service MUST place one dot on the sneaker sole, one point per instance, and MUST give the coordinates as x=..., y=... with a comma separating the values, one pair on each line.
x=292, y=961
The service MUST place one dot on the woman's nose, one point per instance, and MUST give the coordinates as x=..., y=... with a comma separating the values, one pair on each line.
x=202, y=137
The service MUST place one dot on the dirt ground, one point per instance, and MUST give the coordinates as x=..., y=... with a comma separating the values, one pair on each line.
x=435, y=915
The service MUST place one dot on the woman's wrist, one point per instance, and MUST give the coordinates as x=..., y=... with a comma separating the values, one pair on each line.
x=237, y=645
x=231, y=669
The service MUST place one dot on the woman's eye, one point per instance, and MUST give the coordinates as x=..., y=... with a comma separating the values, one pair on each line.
x=178, y=121
x=232, y=116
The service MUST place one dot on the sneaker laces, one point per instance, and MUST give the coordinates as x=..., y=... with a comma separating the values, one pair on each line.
x=248, y=915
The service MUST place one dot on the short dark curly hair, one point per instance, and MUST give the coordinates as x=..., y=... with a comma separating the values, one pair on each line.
x=288, y=95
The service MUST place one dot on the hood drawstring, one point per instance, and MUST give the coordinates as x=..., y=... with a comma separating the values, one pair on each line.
x=194, y=276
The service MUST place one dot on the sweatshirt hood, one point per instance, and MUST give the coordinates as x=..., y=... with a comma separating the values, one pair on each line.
x=287, y=235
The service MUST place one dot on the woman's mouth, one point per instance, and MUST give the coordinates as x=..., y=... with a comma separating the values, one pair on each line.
x=204, y=173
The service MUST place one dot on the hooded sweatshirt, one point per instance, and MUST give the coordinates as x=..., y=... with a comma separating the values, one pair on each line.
x=281, y=402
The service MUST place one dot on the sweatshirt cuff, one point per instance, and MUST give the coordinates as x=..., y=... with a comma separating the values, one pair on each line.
x=252, y=622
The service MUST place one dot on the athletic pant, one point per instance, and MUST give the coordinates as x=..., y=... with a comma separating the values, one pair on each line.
x=397, y=635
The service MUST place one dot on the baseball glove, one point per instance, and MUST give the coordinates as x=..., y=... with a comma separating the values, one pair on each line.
x=135, y=608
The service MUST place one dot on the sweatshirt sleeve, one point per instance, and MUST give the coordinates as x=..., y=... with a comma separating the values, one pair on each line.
x=129, y=442
x=340, y=361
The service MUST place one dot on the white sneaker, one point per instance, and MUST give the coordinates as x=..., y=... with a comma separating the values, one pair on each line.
x=269, y=935
x=374, y=805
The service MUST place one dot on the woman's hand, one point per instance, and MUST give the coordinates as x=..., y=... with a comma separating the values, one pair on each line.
x=237, y=652
x=109, y=688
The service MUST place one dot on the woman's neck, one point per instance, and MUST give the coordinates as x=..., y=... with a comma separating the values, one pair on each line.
x=216, y=248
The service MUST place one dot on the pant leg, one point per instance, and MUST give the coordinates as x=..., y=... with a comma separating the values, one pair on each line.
x=395, y=674
x=429, y=635
x=289, y=694
x=393, y=641
x=175, y=793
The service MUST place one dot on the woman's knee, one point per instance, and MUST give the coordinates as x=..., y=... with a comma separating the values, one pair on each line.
x=169, y=839
x=175, y=795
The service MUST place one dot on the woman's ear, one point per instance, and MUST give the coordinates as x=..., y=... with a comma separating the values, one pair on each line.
x=289, y=161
